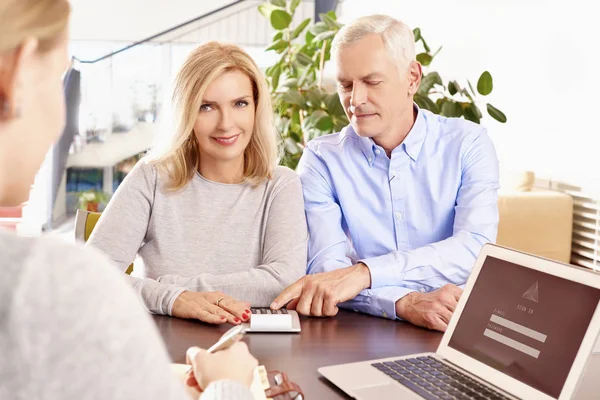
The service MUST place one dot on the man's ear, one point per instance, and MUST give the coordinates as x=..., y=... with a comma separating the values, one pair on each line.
x=415, y=72
x=12, y=67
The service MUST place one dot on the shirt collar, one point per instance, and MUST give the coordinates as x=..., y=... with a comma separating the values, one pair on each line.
x=412, y=143
x=416, y=136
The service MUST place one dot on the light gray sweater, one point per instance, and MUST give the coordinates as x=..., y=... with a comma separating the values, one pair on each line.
x=246, y=241
x=72, y=329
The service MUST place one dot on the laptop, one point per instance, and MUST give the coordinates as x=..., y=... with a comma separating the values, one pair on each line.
x=524, y=328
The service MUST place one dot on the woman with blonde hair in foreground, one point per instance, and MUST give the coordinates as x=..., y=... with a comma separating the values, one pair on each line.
x=70, y=326
x=212, y=216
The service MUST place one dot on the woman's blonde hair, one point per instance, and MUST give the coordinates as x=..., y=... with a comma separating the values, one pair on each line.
x=45, y=20
x=179, y=159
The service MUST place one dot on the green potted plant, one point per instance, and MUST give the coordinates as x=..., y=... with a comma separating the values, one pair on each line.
x=89, y=200
x=305, y=109
x=452, y=100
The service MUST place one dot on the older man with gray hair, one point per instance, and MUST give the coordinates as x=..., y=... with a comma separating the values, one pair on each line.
x=400, y=202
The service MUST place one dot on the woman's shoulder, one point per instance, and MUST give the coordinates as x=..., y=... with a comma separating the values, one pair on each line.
x=72, y=297
x=283, y=175
x=48, y=257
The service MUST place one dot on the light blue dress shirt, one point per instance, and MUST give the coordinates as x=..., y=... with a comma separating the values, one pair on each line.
x=418, y=219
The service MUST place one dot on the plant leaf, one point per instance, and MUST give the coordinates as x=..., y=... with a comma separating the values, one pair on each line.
x=425, y=102
x=300, y=28
x=485, y=84
x=471, y=87
x=325, y=124
x=496, y=114
x=417, y=34
x=424, y=59
x=280, y=19
x=291, y=146
x=278, y=45
x=324, y=36
x=330, y=22
x=333, y=105
x=313, y=119
x=294, y=97
x=451, y=109
x=278, y=3
x=453, y=88
x=303, y=59
x=428, y=81
x=314, y=97
x=277, y=36
x=319, y=27
x=293, y=5
x=276, y=73
x=266, y=9
x=290, y=83
x=425, y=46
x=472, y=113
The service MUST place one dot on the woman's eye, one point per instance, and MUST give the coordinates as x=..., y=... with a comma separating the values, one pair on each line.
x=205, y=107
x=241, y=103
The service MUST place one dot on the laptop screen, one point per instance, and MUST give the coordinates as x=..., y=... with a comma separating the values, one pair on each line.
x=525, y=323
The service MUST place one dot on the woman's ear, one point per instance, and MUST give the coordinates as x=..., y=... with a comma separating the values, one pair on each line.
x=13, y=65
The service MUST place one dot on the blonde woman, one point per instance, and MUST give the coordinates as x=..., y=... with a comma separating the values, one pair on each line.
x=218, y=225
x=70, y=327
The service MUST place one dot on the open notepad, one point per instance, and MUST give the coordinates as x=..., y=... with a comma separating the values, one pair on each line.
x=258, y=387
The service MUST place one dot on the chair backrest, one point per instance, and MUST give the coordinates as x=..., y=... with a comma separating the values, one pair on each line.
x=85, y=221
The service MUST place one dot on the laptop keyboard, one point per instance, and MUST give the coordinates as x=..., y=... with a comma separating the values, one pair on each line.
x=434, y=380
x=268, y=311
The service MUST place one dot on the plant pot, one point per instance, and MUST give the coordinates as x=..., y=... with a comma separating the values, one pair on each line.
x=92, y=207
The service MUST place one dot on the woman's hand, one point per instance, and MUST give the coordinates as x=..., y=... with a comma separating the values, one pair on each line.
x=211, y=307
x=235, y=363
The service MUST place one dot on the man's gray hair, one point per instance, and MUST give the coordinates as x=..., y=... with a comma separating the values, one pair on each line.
x=397, y=37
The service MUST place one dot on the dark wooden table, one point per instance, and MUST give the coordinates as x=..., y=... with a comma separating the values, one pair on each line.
x=348, y=337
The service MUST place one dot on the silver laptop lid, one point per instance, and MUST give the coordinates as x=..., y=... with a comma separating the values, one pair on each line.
x=524, y=318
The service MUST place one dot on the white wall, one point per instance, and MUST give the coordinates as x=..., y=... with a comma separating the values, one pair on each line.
x=544, y=57
x=131, y=20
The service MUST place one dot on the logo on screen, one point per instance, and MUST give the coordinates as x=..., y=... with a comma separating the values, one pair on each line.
x=532, y=293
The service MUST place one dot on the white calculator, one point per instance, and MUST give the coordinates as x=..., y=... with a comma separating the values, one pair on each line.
x=267, y=320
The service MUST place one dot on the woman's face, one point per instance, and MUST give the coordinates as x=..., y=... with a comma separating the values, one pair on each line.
x=225, y=121
x=25, y=139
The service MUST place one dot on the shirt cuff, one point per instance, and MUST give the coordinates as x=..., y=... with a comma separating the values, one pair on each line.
x=379, y=302
x=385, y=299
x=381, y=273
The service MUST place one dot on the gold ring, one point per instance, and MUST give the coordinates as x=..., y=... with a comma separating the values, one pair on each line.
x=218, y=300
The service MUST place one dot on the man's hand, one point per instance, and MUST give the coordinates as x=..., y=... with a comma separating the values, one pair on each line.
x=319, y=294
x=430, y=310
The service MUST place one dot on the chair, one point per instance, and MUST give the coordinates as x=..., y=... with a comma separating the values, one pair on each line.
x=85, y=221
x=532, y=220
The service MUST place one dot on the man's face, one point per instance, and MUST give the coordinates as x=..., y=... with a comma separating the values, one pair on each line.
x=375, y=95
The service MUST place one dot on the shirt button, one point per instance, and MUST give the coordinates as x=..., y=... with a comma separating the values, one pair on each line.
x=377, y=151
x=422, y=290
x=355, y=310
x=370, y=159
x=398, y=216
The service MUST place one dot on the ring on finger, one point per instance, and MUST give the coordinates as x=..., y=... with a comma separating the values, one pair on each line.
x=219, y=300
